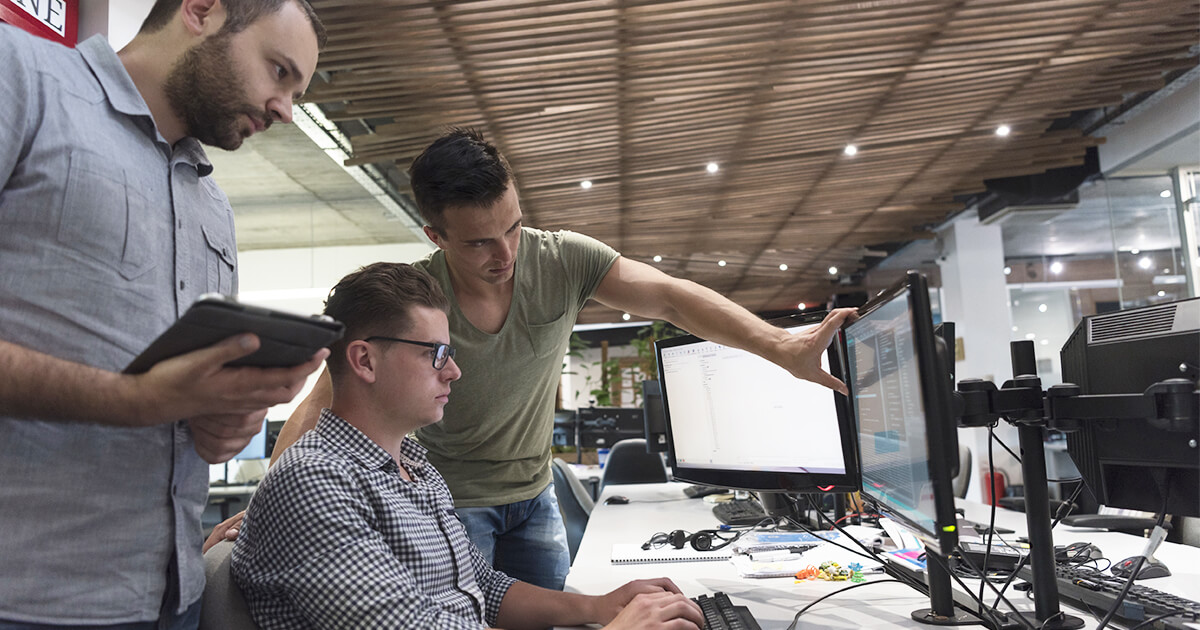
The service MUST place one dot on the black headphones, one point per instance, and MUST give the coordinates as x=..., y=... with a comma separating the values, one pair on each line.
x=703, y=540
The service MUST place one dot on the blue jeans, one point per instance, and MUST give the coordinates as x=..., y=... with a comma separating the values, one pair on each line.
x=526, y=540
x=188, y=620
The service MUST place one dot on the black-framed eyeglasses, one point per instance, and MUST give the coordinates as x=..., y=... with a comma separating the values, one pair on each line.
x=441, y=351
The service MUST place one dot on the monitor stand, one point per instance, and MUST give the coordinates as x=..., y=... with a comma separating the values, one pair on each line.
x=941, y=611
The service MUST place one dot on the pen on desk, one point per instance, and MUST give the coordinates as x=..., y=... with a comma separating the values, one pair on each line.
x=776, y=554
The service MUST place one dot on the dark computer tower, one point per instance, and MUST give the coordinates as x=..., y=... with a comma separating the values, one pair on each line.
x=1125, y=353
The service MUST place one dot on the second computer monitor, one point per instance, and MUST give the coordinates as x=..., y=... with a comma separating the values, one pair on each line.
x=737, y=420
x=901, y=397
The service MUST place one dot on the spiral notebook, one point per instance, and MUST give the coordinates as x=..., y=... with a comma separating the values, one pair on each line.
x=625, y=553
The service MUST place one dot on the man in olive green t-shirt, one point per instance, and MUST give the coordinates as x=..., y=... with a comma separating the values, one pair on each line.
x=515, y=293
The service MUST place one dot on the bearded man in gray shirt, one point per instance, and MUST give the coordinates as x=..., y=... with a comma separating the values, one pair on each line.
x=110, y=227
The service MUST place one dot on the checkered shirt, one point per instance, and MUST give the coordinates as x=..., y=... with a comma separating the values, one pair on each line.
x=335, y=538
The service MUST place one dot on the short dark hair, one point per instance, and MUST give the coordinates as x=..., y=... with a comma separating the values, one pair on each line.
x=238, y=15
x=458, y=169
x=377, y=300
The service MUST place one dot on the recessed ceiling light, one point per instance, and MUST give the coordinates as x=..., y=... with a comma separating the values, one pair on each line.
x=1145, y=262
x=1162, y=294
x=1042, y=308
x=850, y=150
x=625, y=316
x=783, y=266
x=1007, y=270
x=720, y=263
x=1056, y=267
x=585, y=184
x=833, y=271
x=1003, y=130
x=1135, y=251
x=713, y=167
x=658, y=259
x=802, y=307
x=1166, y=271
x=1045, y=342
x=1030, y=336
x=1014, y=329
x=1164, y=194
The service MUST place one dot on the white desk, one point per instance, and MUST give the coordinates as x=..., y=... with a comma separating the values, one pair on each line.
x=774, y=601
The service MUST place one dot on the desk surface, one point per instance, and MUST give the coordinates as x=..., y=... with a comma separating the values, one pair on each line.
x=774, y=601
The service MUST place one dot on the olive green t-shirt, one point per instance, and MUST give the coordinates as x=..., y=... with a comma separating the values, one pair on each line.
x=493, y=443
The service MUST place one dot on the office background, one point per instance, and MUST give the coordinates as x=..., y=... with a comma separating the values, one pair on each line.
x=613, y=114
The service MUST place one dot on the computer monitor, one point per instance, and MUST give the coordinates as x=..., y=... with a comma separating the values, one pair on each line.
x=901, y=391
x=736, y=420
x=601, y=427
x=257, y=448
x=1133, y=463
x=655, y=421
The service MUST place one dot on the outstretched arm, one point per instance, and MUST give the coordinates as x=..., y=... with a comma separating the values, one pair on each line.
x=640, y=289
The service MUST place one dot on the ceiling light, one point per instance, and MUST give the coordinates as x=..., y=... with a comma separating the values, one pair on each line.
x=585, y=184
x=1135, y=251
x=850, y=150
x=1014, y=329
x=1165, y=194
x=1007, y=270
x=833, y=271
x=658, y=259
x=1162, y=294
x=1030, y=336
x=1056, y=267
x=625, y=316
x=713, y=167
x=802, y=307
x=1145, y=262
x=1166, y=271
x=720, y=263
x=1042, y=308
x=1045, y=342
x=1003, y=130
x=783, y=266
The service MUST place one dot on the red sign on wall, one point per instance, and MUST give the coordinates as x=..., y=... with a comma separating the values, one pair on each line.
x=56, y=20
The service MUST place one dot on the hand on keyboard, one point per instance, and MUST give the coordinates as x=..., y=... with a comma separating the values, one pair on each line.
x=648, y=604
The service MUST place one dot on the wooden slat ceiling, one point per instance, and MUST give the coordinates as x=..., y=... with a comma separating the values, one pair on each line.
x=638, y=97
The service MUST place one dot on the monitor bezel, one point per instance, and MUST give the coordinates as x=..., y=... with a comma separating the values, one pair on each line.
x=941, y=433
x=758, y=481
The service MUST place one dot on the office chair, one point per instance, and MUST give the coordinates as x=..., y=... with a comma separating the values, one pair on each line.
x=963, y=480
x=628, y=462
x=574, y=502
x=223, y=607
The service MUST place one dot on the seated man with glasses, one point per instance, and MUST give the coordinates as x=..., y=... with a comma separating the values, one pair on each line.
x=354, y=528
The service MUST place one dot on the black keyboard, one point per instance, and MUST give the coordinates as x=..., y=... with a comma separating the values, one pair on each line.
x=721, y=614
x=1088, y=589
x=743, y=512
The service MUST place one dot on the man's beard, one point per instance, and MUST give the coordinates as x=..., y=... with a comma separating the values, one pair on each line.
x=206, y=91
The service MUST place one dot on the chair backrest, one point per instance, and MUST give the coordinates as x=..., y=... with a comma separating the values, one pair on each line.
x=223, y=606
x=574, y=502
x=628, y=462
x=963, y=480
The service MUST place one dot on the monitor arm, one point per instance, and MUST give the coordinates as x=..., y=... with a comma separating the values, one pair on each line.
x=1022, y=402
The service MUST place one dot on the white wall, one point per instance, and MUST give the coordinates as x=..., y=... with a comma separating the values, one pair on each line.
x=118, y=20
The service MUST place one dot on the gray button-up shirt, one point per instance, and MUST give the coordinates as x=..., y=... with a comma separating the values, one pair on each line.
x=107, y=234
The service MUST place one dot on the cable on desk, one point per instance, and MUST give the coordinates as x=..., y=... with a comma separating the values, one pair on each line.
x=1148, y=622
x=1063, y=511
x=837, y=592
x=983, y=607
x=1137, y=566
